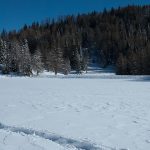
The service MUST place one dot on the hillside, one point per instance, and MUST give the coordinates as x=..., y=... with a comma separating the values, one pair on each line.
x=118, y=37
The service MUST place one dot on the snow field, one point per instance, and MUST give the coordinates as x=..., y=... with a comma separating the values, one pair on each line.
x=105, y=114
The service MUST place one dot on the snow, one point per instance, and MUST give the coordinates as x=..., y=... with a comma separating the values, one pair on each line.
x=90, y=112
x=14, y=141
x=93, y=71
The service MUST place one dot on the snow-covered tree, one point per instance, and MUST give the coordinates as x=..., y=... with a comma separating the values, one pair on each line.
x=36, y=62
x=15, y=55
x=25, y=59
x=5, y=56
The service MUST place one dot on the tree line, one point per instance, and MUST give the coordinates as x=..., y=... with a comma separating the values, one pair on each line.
x=119, y=37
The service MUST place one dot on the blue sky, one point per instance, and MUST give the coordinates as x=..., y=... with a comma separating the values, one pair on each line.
x=15, y=13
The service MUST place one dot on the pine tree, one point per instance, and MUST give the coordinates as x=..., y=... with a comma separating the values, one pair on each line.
x=36, y=62
x=25, y=59
x=5, y=57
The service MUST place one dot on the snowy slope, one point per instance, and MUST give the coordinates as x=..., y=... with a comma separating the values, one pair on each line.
x=90, y=114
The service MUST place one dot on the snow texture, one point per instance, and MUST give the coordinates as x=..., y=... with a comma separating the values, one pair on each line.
x=106, y=112
x=52, y=137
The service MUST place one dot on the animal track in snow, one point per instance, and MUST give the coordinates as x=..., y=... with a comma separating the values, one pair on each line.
x=81, y=145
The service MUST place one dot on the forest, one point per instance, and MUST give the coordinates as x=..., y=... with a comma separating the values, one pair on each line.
x=118, y=37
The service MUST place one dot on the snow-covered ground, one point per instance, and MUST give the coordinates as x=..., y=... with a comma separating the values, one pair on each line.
x=68, y=113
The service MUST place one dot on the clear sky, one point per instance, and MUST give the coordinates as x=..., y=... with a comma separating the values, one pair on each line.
x=15, y=13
